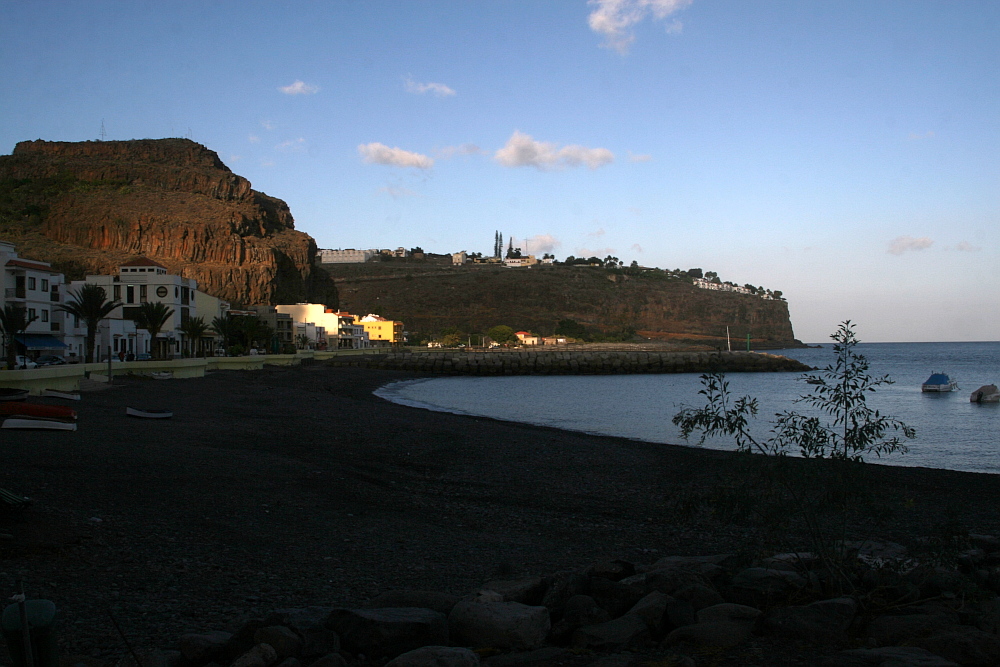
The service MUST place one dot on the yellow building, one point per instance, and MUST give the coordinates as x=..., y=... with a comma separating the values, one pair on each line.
x=381, y=332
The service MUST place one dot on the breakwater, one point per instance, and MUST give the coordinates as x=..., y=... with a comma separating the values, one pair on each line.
x=571, y=362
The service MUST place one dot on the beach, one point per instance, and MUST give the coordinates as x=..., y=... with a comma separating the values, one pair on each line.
x=295, y=486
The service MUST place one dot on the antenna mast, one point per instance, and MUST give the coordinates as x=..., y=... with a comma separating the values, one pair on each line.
x=103, y=133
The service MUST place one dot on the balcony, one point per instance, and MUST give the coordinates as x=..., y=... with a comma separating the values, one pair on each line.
x=15, y=293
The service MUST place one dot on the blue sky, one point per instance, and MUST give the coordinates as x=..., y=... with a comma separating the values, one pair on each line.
x=845, y=153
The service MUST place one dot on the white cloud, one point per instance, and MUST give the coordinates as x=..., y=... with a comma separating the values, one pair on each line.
x=397, y=192
x=299, y=88
x=542, y=243
x=464, y=149
x=965, y=246
x=902, y=244
x=235, y=158
x=636, y=247
x=600, y=253
x=523, y=151
x=917, y=137
x=291, y=145
x=614, y=19
x=376, y=153
x=253, y=139
x=639, y=157
x=267, y=125
x=439, y=89
x=598, y=234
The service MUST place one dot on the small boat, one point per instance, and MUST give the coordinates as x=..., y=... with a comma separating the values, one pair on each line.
x=939, y=382
x=147, y=413
x=9, y=394
x=67, y=395
x=162, y=375
x=38, y=424
x=988, y=393
x=19, y=409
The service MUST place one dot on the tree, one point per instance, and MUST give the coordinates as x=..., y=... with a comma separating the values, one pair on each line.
x=303, y=341
x=14, y=321
x=194, y=329
x=571, y=329
x=227, y=328
x=840, y=390
x=502, y=334
x=89, y=304
x=152, y=316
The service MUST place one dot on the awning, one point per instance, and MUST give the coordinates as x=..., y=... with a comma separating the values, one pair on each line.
x=40, y=341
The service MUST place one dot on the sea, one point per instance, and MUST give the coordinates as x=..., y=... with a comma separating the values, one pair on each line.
x=952, y=432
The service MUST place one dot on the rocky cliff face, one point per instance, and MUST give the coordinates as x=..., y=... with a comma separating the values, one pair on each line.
x=92, y=205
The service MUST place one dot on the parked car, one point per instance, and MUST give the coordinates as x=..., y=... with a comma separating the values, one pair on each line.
x=21, y=361
x=144, y=356
x=50, y=360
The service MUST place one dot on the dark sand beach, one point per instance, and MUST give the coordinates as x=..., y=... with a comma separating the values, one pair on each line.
x=290, y=487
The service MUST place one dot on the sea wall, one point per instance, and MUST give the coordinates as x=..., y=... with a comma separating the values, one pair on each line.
x=572, y=362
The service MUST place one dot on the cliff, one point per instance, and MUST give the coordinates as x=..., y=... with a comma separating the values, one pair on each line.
x=473, y=298
x=87, y=207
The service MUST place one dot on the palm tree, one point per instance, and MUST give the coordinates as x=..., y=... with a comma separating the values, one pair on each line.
x=303, y=341
x=90, y=304
x=228, y=328
x=194, y=328
x=14, y=320
x=152, y=316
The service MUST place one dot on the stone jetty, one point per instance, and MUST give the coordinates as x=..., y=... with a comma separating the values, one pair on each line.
x=571, y=362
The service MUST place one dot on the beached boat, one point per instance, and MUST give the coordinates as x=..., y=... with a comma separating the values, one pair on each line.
x=147, y=413
x=8, y=394
x=66, y=395
x=988, y=393
x=162, y=375
x=939, y=382
x=24, y=409
x=37, y=424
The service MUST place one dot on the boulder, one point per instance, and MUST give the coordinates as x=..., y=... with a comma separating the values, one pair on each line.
x=963, y=644
x=615, y=570
x=330, y=660
x=891, y=656
x=621, y=633
x=651, y=609
x=201, y=649
x=719, y=626
x=819, y=622
x=305, y=618
x=528, y=590
x=699, y=595
x=761, y=584
x=540, y=657
x=439, y=602
x=614, y=596
x=389, y=631
x=286, y=643
x=436, y=656
x=261, y=655
x=910, y=623
x=502, y=625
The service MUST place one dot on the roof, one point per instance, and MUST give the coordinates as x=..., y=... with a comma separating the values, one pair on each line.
x=28, y=264
x=143, y=261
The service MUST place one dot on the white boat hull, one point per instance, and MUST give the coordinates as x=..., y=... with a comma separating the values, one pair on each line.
x=149, y=414
x=37, y=424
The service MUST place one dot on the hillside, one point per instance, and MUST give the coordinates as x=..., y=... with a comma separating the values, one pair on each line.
x=430, y=296
x=87, y=207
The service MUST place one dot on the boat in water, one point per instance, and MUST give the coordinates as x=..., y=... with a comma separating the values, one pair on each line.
x=10, y=394
x=148, y=413
x=29, y=423
x=988, y=393
x=25, y=409
x=939, y=382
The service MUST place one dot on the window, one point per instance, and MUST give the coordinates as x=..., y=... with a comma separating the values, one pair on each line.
x=130, y=294
x=31, y=313
x=161, y=291
x=31, y=282
x=142, y=293
x=45, y=316
x=118, y=292
x=45, y=284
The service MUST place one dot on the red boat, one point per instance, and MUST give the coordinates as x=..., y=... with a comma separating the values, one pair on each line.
x=12, y=408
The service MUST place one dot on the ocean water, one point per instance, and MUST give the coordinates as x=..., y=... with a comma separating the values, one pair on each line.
x=952, y=432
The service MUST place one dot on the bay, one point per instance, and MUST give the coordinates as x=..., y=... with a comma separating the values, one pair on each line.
x=952, y=432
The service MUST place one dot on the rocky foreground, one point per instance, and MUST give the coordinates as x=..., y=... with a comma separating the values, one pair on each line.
x=297, y=489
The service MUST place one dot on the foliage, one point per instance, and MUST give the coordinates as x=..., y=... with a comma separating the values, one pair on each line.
x=854, y=431
x=194, y=328
x=14, y=320
x=89, y=304
x=821, y=494
x=571, y=329
x=152, y=316
x=502, y=334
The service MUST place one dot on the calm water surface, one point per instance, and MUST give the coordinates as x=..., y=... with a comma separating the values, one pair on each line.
x=952, y=433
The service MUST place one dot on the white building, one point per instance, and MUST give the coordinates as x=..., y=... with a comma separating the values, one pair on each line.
x=346, y=256
x=459, y=258
x=517, y=262
x=34, y=286
x=142, y=281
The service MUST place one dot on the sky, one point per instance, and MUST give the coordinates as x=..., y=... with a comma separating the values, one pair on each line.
x=846, y=153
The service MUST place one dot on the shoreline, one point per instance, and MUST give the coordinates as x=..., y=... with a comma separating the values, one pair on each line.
x=294, y=486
